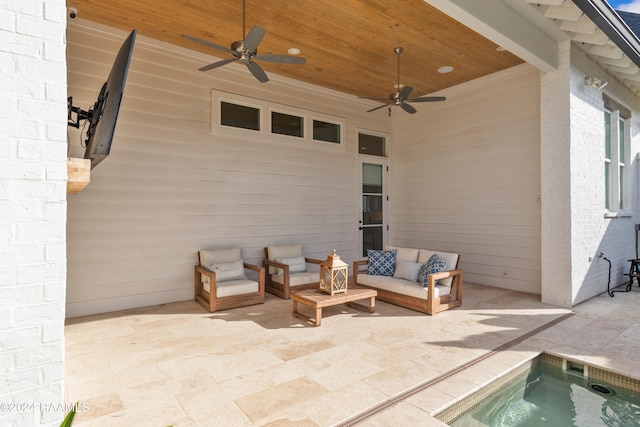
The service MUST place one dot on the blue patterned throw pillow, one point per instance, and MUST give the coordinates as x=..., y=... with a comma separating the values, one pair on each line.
x=434, y=265
x=382, y=263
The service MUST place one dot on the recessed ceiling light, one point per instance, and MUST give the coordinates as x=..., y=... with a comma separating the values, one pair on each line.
x=445, y=69
x=293, y=51
x=500, y=49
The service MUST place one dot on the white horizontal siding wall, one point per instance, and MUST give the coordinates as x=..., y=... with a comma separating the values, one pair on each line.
x=466, y=178
x=170, y=187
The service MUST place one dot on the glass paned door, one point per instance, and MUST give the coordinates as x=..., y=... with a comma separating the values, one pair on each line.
x=372, y=221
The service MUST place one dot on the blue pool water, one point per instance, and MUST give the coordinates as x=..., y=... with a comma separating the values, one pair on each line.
x=549, y=397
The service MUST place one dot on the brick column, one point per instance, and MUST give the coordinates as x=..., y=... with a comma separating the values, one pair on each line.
x=555, y=151
x=32, y=210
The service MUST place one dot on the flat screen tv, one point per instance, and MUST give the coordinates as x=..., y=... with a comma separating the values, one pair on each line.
x=103, y=115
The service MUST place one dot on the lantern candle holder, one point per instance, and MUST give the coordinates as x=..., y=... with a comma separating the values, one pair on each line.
x=333, y=274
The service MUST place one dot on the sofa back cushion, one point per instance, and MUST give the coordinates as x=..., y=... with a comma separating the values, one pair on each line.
x=405, y=254
x=407, y=270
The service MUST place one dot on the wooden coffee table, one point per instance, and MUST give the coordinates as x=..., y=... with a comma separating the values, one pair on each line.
x=317, y=300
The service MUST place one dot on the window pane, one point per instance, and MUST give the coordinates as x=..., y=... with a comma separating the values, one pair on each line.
x=371, y=144
x=371, y=209
x=239, y=116
x=371, y=178
x=371, y=239
x=607, y=181
x=323, y=131
x=286, y=124
x=621, y=140
x=621, y=187
x=607, y=134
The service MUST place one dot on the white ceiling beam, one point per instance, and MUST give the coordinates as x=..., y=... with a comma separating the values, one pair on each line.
x=503, y=25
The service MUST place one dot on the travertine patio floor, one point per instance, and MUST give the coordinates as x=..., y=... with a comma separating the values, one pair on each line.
x=177, y=364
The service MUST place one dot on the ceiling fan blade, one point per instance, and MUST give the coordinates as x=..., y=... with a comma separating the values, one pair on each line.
x=257, y=71
x=408, y=108
x=216, y=64
x=426, y=99
x=253, y=39
x=405, y=92
x=207, y=43
x=377, y=108
x=281, y=59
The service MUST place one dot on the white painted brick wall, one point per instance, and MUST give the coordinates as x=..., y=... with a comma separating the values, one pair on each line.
x=592, y=233
x=555, y=181
x=574, y=228
x=32, y=210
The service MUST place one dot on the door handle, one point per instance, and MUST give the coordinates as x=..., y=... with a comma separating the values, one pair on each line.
x=360, y=228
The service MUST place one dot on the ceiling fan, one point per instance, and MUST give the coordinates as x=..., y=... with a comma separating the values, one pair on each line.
x=245, y=51
x=401, y=97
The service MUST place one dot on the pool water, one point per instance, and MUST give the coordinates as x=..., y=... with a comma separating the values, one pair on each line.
x=547, y=396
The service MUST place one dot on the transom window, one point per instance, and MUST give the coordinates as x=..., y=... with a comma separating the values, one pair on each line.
x=372, y=145
x=236, y=115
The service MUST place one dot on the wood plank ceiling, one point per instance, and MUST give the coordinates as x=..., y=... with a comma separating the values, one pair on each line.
x=348, y=44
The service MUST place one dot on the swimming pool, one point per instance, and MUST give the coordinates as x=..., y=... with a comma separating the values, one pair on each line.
x=551, y=391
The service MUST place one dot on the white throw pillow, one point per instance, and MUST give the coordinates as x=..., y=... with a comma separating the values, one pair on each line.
x=296, y=265
x=226, y=271
x=407, y=270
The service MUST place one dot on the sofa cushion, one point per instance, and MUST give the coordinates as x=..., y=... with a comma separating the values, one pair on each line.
x=226, y=271
x=217, y=256
x=401, y=286
x=434, y=265
x=282, y=251
x=296, y=264
x=450, y=258
x=233, y=287
x=407, y=270
x=296, y=279
x=404, y=254
x=382, y=263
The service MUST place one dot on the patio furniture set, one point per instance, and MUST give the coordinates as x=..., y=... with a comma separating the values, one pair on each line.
x=418, y=279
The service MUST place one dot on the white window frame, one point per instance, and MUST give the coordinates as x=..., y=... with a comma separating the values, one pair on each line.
x=325, y=119
x=385, y=136
x=617, y=194
x=289, y=113
x=265, y=134
x=216, y=115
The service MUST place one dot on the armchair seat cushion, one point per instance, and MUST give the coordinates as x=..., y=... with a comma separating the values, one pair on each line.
x=300, y=278
x=233, y=287
x=405, y=287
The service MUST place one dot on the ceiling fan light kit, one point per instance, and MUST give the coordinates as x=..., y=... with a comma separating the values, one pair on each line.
x=401, y=97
